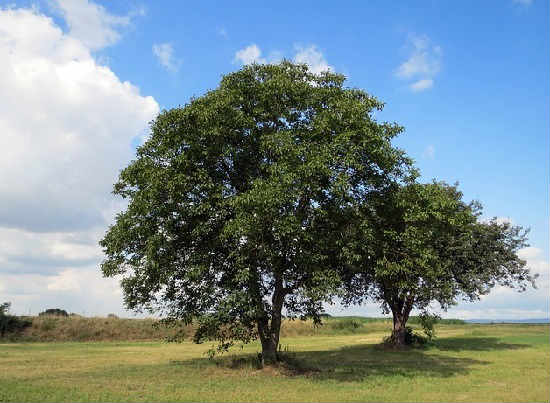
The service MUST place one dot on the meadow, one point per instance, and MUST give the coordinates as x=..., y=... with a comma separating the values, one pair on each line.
x=341, y=361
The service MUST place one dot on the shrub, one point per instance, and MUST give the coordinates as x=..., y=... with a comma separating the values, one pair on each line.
x=411, y=338
x=54, y=312
x=428, y=322
x=11, y=323
x=345, y=324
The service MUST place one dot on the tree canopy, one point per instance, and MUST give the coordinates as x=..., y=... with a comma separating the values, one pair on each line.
x=236, y=201
x=415, y=244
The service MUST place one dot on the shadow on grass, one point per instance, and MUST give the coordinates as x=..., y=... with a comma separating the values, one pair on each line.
x=356, y=363
x=475, y=344
x=353, y=364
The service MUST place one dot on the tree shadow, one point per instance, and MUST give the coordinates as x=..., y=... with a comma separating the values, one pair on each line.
x=356, y=363
x=475, y=344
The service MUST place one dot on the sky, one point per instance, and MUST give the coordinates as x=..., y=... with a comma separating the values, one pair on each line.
x=81, y=80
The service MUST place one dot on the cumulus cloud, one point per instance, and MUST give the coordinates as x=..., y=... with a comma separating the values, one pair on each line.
x=504, y=220
x=79, y=290
x=530, y=253
x=27, y=252
x=250, y=54
x=312, y=57
x=422, y=65
x=91, y=23
x=66, y=132
x=309, y=55
x=165, y=55
x=67, y=129
x=422, y=85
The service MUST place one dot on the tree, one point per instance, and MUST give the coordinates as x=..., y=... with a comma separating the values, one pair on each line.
x=415, y=244
x=234, y=199
x=11, y=323
x=5, y=319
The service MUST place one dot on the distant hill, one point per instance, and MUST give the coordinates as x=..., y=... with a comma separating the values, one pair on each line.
x=539, y=320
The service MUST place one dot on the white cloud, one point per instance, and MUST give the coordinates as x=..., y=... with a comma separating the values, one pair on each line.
x=423, y=64
x=24, y=251
x=429, y=152
x=313, y=58
x=67, y=129
x=307, y=55
x=165, y=54
x=496, y=314
x=68, y=280
x=81, y=290
x=530, y=253
x=250, y=54
x=504, y=220
x=422, y=85
x=66, y=132
x=91, y=23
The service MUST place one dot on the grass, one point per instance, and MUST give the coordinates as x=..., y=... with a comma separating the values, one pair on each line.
x=466, y=363
x=79, y=328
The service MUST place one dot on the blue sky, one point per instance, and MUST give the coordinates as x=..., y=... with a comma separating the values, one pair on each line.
x=469, y=81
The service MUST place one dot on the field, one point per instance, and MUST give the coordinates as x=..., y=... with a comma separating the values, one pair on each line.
x=340, y=363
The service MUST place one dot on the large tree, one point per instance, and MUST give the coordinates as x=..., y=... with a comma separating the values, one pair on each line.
x=235, y=200
x=416, y=244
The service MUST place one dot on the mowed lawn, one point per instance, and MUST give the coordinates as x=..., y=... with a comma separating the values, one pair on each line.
x=480, y=363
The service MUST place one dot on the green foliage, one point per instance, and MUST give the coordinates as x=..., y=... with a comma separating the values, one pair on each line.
x=4, y=308
x=54, y=312
x=428, y=321
x=348, y=324
x=9, y=324
x=238, y=200
x=413, y=244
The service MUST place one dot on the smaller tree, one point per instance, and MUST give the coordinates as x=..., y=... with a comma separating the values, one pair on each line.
x=5, y=319
x=415, y=244
x=10, y=323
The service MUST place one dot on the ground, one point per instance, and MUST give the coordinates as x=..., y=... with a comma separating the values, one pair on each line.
x=466, y=363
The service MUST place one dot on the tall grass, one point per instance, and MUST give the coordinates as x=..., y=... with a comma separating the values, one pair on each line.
x=79, y=328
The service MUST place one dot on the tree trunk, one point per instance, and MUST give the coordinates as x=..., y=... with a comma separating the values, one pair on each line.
x=401, y=310
x=399, y=330
x=269, y=332
x=269, y=350
x=269, y=337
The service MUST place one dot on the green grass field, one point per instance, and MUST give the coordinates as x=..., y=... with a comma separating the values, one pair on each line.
x=466, y=363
